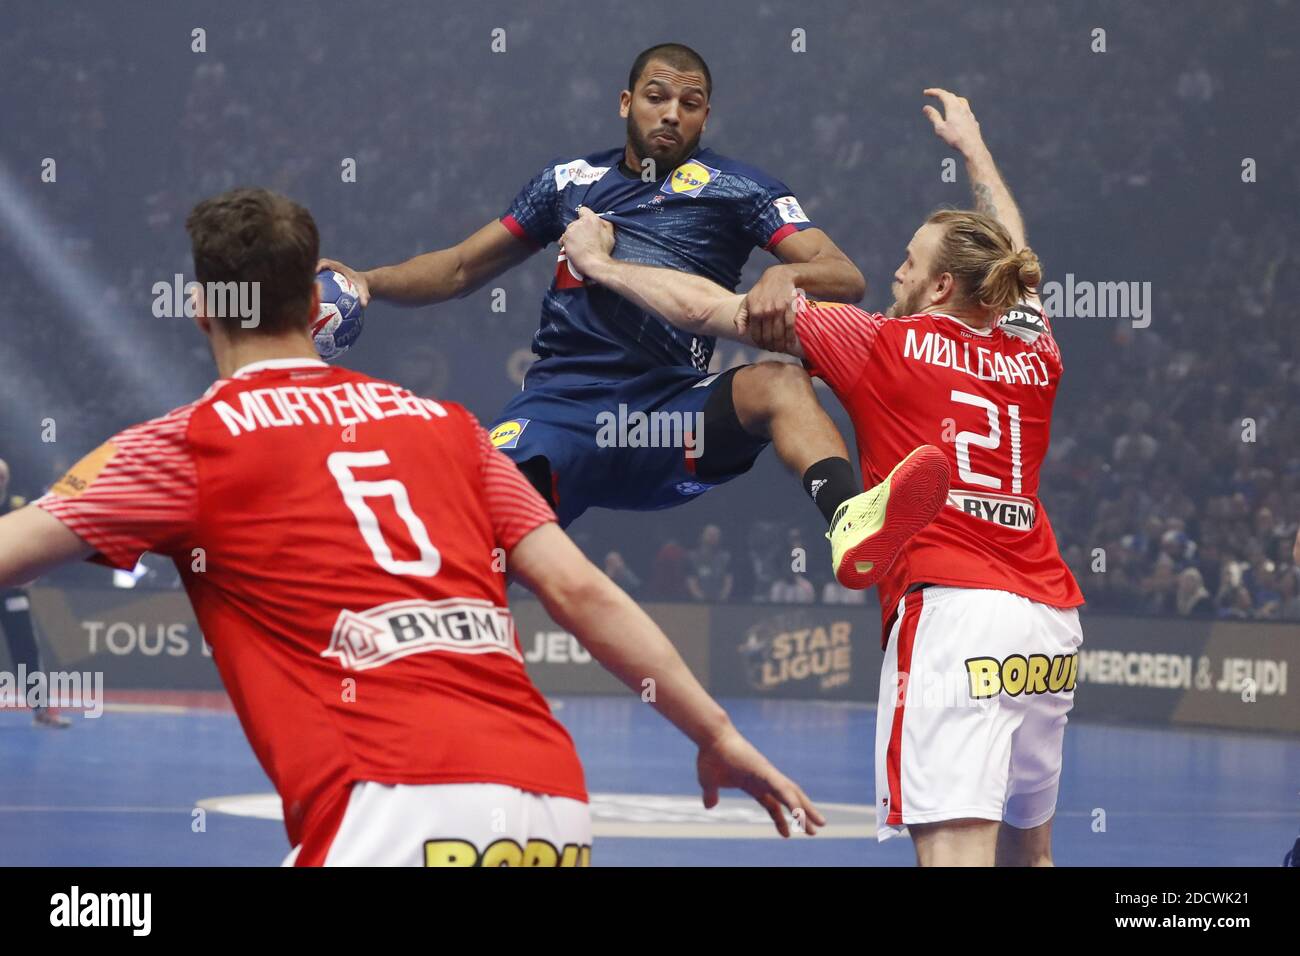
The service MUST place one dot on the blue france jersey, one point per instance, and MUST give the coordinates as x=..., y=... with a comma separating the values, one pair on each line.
x=704, y=217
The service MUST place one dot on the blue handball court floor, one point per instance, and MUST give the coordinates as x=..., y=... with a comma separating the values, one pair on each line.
x=123, y=790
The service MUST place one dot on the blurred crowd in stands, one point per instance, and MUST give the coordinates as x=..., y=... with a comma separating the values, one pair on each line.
x=1173, y=481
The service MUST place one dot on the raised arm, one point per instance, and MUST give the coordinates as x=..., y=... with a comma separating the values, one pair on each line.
x=445, y=274
x=957, y=127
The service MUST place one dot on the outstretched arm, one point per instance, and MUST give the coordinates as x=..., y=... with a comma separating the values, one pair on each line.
x=958, y=127
x=627, y=643
x=445, y=274
x=689, y=302
x=33, y=542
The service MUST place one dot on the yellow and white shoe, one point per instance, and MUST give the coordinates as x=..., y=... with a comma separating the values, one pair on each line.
x=871, y=528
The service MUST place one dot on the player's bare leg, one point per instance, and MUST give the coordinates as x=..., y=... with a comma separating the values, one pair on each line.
x=1032, y=847
x=967, y=842
x=775, y=400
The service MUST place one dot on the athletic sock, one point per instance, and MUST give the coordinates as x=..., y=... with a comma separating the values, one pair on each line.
x=830, y=483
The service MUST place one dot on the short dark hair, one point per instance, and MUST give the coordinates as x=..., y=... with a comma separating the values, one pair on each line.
x=255, y=235
x=677, y=55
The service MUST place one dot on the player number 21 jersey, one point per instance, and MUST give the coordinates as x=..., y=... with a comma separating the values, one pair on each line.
x=984, y=397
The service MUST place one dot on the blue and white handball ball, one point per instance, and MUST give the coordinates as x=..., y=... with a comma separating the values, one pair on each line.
x=338, y=323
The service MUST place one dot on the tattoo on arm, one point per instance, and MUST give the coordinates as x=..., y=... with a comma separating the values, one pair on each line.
x=984, y=199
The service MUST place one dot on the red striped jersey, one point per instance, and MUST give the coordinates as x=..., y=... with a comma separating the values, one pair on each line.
x=343, y=543
x=984, y=397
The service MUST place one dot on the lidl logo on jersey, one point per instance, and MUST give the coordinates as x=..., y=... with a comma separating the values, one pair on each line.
x=689, y=178
x=1014, y=513
x=789, y=209
x=507, y=434
x=366, y=639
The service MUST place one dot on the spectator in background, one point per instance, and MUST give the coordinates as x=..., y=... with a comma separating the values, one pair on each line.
x=763, y=550
x=669, y=575
x=1136, y=448
x=709, y=568
x=616, y=570
x=1264, y=593
x=794, y=588
x=835, y=593
x=1193, y=599
x=1235, y=604
x=1160, y=589
x=1175, y=546
x=1121, y=595
x=1209, y=563
x=1288, y=586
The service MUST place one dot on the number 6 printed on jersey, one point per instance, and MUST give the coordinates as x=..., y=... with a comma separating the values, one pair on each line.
x=355, y=492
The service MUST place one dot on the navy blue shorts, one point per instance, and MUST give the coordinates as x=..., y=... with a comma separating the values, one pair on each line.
x=641, y=444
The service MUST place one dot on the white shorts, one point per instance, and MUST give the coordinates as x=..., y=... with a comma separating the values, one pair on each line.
x=456, y=824
x=974, y=692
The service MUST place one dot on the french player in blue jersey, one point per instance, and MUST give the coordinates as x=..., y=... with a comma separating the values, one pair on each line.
x=619, y=410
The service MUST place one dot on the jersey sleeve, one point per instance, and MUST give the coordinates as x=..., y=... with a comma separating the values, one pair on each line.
x=773, y=214
x=534, y=216
x=837, y=340
x=513, y=503
x=137, y=492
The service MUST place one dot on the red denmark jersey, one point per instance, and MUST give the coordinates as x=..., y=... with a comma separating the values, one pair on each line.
x=984, y=397
x=343, y=543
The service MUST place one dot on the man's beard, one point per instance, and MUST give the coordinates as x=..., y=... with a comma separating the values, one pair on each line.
x=908, y=305
x=665, y=158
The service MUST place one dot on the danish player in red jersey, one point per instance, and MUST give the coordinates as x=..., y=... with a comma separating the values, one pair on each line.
x=980, y=628
x=342, y=541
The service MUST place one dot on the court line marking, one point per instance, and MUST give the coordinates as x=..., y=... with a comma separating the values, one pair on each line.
x=201, y=804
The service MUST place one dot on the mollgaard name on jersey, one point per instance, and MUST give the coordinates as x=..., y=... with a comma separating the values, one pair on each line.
x=1023, y=368
x=381, y=635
